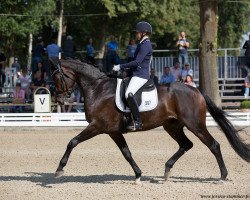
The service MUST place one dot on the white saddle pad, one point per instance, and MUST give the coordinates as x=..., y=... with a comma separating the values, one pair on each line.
x=148, y=102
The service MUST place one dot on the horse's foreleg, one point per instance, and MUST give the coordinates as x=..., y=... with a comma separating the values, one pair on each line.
x=176, y=132
x=86, y=134
x=121, y=143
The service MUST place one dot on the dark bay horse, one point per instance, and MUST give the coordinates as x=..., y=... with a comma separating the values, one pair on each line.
x=179, y=106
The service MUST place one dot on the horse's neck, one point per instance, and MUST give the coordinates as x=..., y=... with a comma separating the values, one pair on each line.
x=96, y=90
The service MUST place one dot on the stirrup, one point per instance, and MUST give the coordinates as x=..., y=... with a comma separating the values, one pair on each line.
x=134, y=126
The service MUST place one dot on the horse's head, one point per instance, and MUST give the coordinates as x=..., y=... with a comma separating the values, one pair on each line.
x=64, y=79
x=66, y=73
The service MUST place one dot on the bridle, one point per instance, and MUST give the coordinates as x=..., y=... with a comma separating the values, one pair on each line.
x=64, y=86
x=63, y=75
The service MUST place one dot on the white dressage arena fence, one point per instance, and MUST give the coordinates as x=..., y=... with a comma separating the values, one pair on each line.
x=43, y=119
x=79, y=119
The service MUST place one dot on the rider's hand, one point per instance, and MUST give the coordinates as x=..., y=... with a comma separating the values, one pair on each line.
x=116, y=68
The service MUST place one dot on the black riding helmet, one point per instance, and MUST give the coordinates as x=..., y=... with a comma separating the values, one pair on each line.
x=143, y=27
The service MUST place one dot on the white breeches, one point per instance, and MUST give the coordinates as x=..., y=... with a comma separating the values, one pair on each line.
x=134, y=85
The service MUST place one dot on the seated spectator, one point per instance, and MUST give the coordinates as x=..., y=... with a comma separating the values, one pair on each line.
x=75, y=96
x=18, y=98
x=69, y=100
x=42, y=70
x=186, y=71
x=31, y=91
x=154, y=77
x=189, y=81
x=33, y=87
x=25, y=80
x=38, y=81
x=167, y=77
x=247, y=85
x=176, y=71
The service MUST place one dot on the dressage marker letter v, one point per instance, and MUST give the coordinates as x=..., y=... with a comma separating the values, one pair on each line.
x=42, y=101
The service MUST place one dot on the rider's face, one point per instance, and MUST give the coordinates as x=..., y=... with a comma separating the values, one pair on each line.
x=138, y=35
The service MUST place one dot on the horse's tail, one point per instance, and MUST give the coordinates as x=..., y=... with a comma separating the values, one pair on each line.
x=241, y=148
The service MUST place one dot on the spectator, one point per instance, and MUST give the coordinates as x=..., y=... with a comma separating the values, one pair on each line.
x=176, y=71
x=154, y=77
x=16, y=65
x=69, y=48
x=131, y=50
x=37, y=54
x=18, y=98
x=186, y=71
x=112, y=57
x=90, y=55
x=183, y=45
x=189, y=81
x=31, y=91
x=2, y=68
x=167, y=77
x=75, y=96
x=53, y=49
x=247, y=85
x=38, y=81
x=42, y=70
x=247, y=52
x=25, y=80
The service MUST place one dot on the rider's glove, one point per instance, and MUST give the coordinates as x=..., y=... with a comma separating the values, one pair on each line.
x=116, y=68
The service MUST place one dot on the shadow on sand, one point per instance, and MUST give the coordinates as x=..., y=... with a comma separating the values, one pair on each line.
x=47, y=179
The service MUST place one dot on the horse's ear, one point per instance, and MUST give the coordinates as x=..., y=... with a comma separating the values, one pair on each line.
x=54, y=62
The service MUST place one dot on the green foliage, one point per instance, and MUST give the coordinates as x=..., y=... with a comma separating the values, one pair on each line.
x=100, y=18
x=233, y=22
x=19, y=19
x=245, y=104
x=168, y=18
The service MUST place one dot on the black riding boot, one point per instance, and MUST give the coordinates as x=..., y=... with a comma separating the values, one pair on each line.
x=136, y=123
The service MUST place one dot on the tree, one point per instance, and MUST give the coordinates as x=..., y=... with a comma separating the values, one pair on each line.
x=100, y=18
x=19, y=19
x=233, y=22
x=208, y=79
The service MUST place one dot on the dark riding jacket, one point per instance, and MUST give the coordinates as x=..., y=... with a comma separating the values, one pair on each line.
x=142, y=58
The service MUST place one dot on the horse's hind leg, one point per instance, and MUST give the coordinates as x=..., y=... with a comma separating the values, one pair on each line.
x=175, y=130
x=202, y=133
x=86, y=134
x=121, y=143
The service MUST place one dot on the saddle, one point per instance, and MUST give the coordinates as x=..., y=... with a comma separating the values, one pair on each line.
x=146, y=96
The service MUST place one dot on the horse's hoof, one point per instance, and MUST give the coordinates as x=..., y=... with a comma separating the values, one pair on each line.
x=167, y=175
x=138, y=181
x=223, y=177
x=58, y=174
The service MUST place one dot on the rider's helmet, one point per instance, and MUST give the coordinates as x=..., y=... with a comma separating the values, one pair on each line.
x=143, y=27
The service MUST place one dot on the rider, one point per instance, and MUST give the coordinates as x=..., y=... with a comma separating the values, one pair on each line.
x=140, y=67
